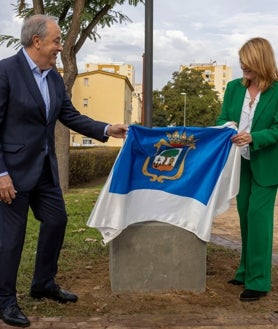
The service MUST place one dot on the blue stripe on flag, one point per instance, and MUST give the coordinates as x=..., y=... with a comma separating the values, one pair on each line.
x=184, y=161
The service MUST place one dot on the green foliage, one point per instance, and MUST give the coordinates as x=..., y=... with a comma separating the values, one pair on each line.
x=78, y=21
x=159, y=117
x=95, y=13
x=86, y=164
x=201, y=104
x=9, y=40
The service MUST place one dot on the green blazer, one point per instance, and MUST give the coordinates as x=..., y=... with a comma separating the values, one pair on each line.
x=264, y=130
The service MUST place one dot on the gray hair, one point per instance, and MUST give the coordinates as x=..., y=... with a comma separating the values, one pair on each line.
x=34, y=25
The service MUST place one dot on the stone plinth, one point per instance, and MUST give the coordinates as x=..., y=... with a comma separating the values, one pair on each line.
x=155, y=256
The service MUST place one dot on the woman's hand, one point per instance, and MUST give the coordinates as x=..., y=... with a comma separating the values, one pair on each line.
x=241, y=139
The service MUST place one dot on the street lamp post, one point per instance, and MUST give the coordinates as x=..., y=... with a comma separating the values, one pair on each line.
x=184, y=109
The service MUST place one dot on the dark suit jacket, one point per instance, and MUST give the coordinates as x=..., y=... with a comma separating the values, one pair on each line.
x=24, y=128
x=264, y=130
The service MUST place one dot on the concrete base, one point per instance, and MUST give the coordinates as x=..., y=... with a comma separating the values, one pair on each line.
x=155, y=256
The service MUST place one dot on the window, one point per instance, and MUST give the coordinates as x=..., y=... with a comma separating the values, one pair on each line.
x=208, y=75
x=86, y=81
x=85, y=102
x=87, y=141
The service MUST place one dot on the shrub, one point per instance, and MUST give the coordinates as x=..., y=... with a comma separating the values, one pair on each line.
x=89, y=163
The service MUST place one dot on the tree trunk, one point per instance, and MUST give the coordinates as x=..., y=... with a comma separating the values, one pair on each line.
x=62, y=151
x=61, y=132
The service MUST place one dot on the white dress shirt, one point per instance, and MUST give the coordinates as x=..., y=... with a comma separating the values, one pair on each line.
x=246, y=119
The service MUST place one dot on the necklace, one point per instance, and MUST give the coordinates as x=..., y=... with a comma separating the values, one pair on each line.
x=251, y=103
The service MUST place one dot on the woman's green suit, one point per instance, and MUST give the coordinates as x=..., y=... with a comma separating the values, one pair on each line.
x=258, y=184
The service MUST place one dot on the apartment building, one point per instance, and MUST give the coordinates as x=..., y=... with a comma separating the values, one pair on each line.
x=216, y=75
x=104, y=96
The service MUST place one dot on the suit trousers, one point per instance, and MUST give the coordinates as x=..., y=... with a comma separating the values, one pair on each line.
x=47, y=204
x=255, y=205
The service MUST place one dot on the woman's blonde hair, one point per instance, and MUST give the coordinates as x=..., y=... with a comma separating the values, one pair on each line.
x=257, y=54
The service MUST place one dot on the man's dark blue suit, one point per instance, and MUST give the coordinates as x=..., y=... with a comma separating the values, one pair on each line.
x=25, y=131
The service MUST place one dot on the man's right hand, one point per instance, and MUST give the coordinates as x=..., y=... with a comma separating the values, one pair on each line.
x=7, y=191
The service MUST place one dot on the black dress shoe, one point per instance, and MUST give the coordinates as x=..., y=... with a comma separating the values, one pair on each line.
x=59, y=295
x=251, y=295
x=13, y=316
x=235, y=282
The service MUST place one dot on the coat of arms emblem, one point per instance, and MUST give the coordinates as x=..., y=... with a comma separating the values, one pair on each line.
x=168, y=161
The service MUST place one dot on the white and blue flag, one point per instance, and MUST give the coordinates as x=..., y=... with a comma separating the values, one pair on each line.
x=184, y=176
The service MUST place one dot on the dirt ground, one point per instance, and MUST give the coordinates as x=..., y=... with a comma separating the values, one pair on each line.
x=219, y=303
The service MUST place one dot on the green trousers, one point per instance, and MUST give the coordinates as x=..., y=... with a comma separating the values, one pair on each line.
x=255, y=206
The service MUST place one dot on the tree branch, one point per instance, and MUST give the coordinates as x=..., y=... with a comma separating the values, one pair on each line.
x=86, y=32
x=38, y=7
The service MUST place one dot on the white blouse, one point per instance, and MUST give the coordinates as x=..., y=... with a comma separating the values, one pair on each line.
x=246, y=119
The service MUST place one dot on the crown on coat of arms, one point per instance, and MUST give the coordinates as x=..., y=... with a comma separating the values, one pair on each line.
x=180, y=140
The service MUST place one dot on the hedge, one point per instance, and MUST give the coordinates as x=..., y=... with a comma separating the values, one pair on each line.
x=89, y=163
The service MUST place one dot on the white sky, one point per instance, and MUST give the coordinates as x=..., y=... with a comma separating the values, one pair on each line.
x=184, y=32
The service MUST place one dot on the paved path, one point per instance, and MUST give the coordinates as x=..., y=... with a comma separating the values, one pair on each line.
x=213, y=321
x=146, y=321
x=226, y=230
x=235, y=245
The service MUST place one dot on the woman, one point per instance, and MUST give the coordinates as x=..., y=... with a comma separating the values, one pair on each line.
x=251, y=102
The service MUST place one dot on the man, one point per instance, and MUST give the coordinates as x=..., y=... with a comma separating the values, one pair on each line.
x=32, y=99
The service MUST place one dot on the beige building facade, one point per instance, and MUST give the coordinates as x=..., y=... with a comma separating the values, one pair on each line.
x=118, y=68
x=103, y=96
x=137, y=98
x=216, y=75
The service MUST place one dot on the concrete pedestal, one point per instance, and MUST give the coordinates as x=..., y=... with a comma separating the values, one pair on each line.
x=155, y=256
